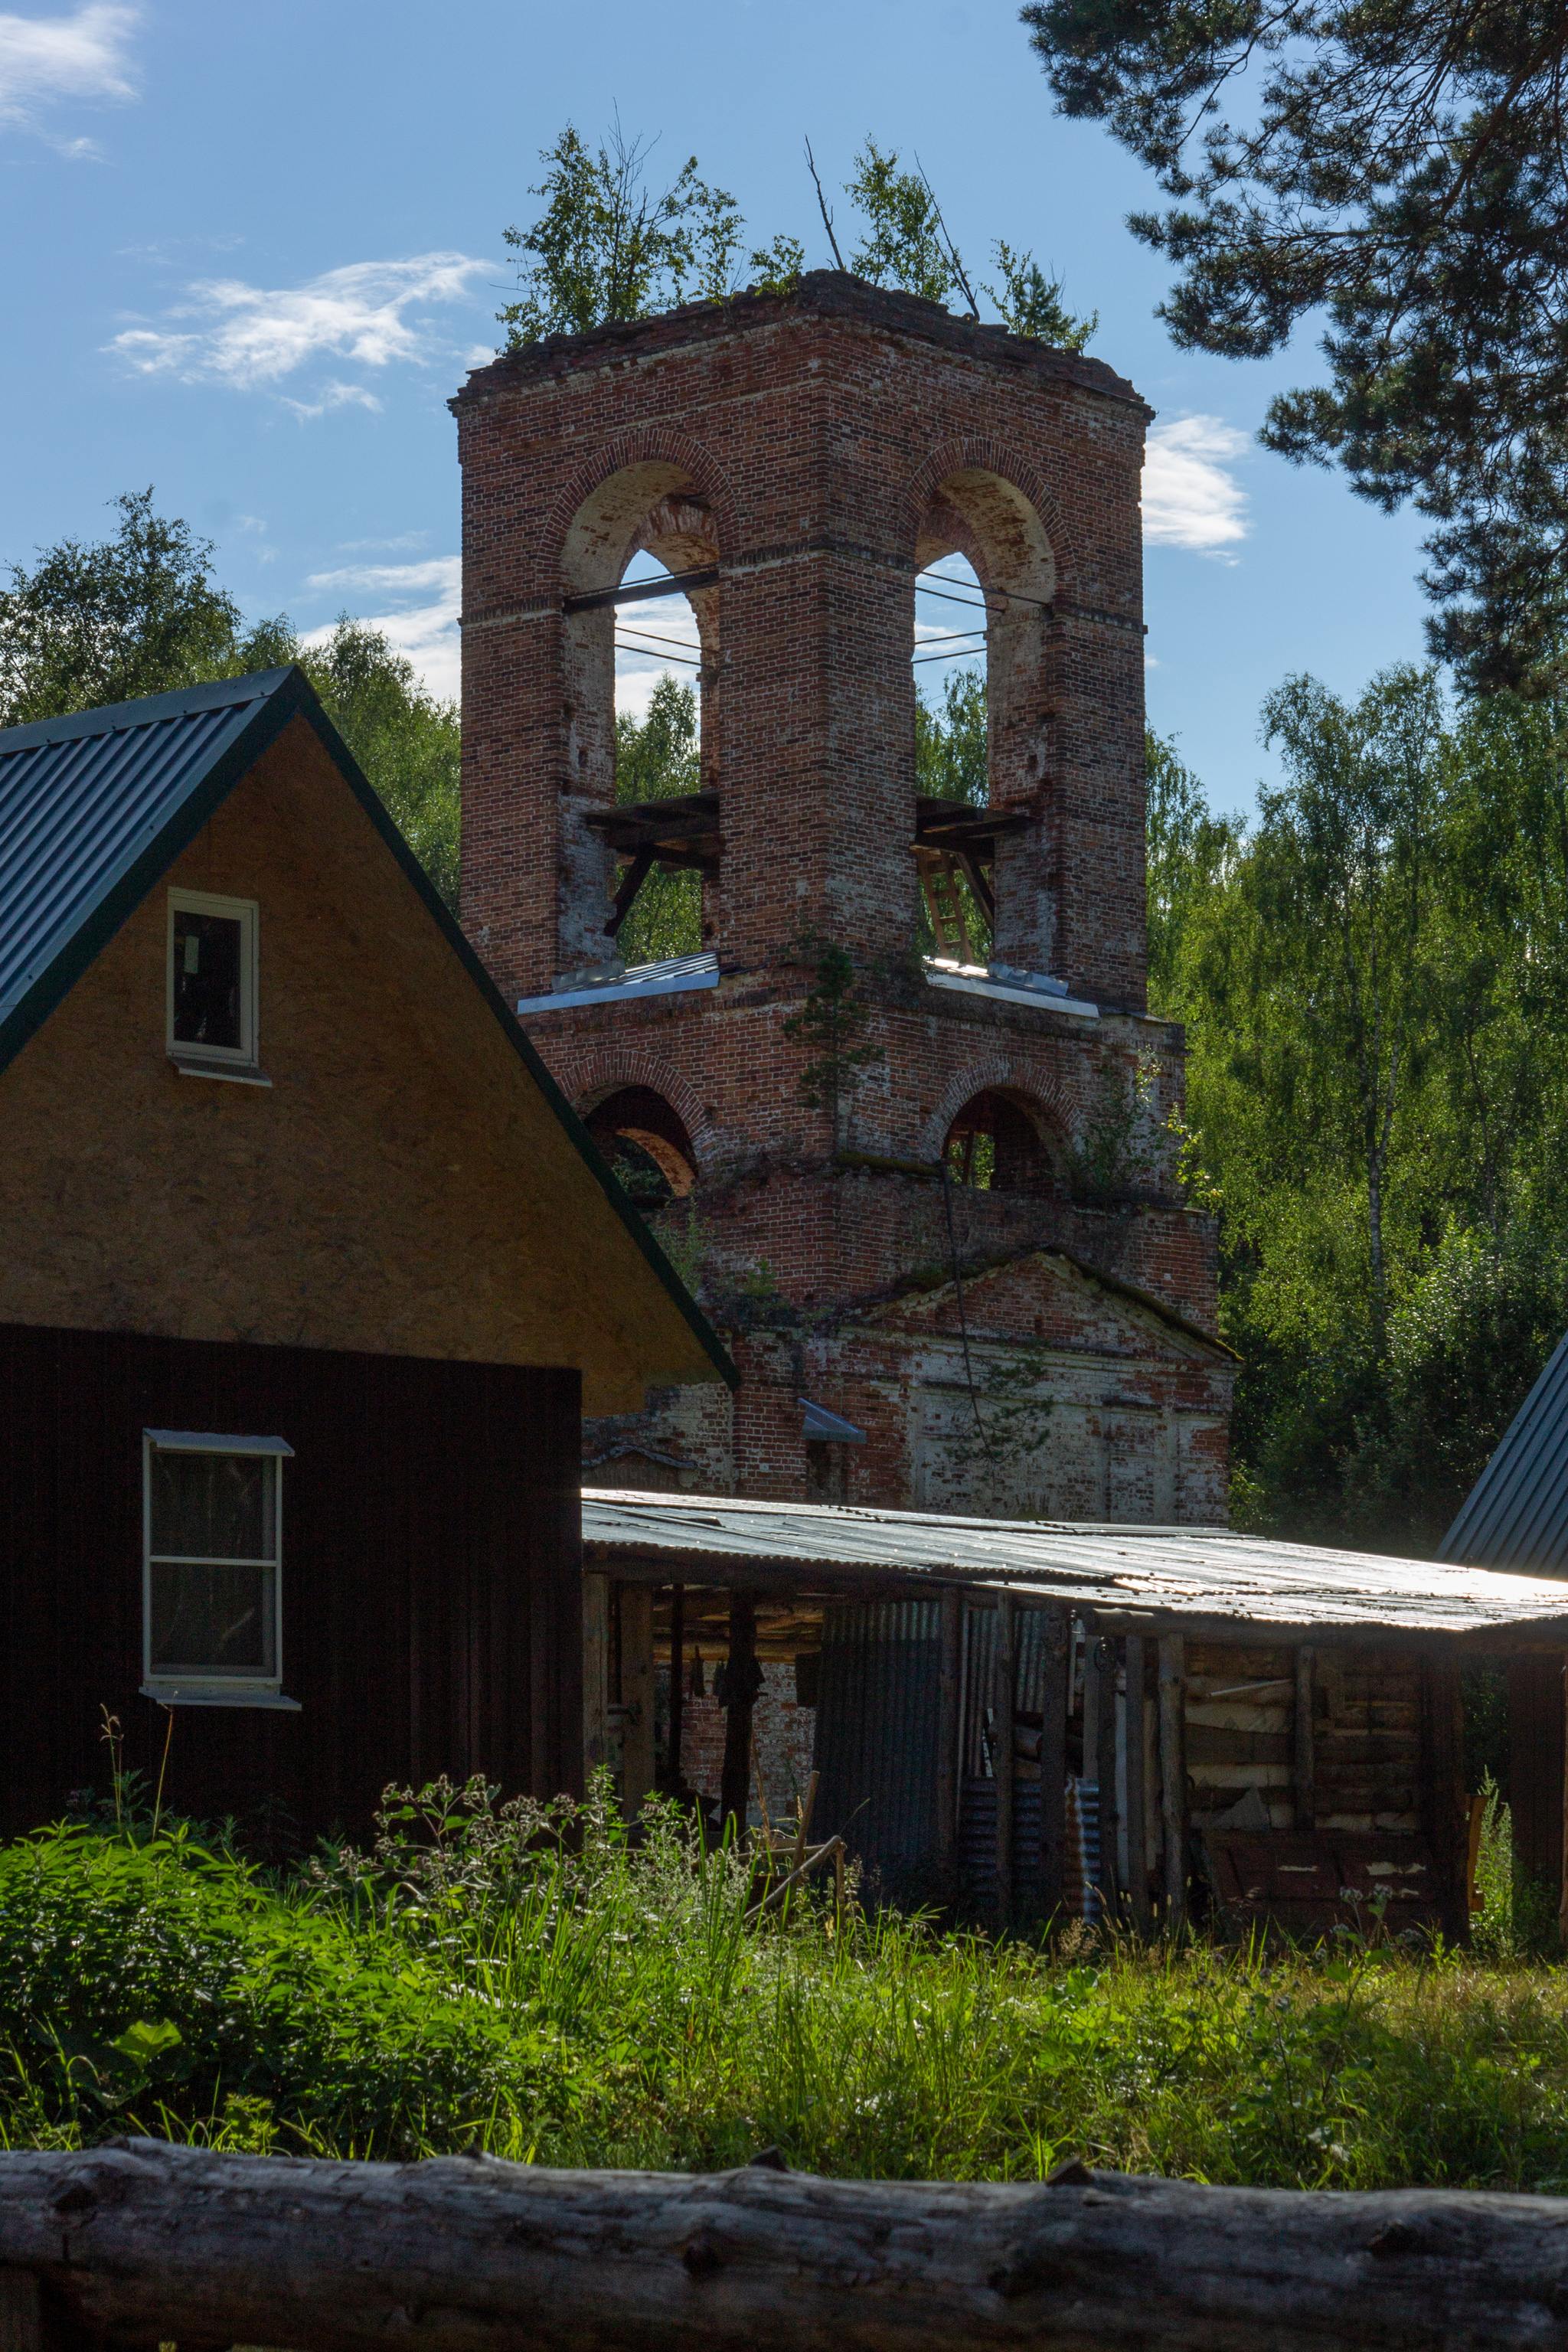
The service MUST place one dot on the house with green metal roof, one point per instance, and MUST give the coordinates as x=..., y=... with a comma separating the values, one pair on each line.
x=308, y=1274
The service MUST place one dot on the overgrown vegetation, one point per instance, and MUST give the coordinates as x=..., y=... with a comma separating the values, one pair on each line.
x=609, y=247
x=482, y=1981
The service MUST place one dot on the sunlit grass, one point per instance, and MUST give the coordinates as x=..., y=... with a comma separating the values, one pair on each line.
x=540, y=1989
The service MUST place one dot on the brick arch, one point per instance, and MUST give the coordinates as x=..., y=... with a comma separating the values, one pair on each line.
x=980, y=453
x=1011, y=1072
x=587, y=1078
x=639, y=446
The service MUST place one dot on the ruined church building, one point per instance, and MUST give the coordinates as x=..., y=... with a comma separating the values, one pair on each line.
x=1033, y=1332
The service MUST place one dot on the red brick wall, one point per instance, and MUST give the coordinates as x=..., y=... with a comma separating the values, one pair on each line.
x=836, y=437
x=784, y=1731
x=818, y=449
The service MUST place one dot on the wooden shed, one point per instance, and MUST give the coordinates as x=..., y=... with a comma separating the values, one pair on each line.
x=1023, y=1717
x=307, y=1274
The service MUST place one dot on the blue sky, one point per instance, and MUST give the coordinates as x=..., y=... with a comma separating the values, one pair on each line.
x=248, y=254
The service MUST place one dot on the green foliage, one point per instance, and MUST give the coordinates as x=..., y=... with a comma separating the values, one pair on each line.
x=1344, y=869
x=831, y=1024
x=1189, y=854
x=1116, y=1152
x=776, y=267
x=904, y=245
x=161, y=1981
x=952, y=763
x=1030, y=303
x=517, y=1978
x=658, y=759
x=408, y=745
x=951, y=743
x=1011, y=1421
x=1373, y=979
x=606, y=248
x=1395, y=172
x=907, y=245
x=139, y=613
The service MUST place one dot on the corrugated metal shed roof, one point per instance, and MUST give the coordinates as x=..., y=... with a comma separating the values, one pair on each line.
x=1131, y=1577
x=94, y=807
x=1517, y=1514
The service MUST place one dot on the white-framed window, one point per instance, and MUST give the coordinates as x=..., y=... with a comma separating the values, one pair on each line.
x=212, y=988
x=212, y=1606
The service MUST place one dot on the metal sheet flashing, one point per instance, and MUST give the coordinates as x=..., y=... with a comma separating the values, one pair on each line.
x=1008, y=985
x=667, y=979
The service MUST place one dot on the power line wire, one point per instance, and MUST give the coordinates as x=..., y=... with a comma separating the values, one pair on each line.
x=644, y=653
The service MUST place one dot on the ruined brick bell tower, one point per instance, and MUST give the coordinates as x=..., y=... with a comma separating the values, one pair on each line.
x=796, y=460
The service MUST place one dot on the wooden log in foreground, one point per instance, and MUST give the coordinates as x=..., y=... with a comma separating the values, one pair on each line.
x=143, y=2243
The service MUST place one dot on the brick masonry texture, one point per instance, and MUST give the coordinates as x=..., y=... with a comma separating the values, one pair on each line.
x=816, y=450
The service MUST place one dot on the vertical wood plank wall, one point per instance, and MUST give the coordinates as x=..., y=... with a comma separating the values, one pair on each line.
x=432, y=1589
x=637, y=1695
x=1535, y=1715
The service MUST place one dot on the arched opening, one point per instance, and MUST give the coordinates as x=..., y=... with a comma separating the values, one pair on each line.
x=951, y=768
x=998, y=1142
x=642, y=719
x=985, y=579
x=646, y=1142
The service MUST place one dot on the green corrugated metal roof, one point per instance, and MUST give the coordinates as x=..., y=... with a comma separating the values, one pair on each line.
x=1515, y=1515
x=94, y=808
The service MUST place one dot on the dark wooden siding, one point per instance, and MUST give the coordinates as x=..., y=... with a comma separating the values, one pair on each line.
x=1535, y=1765
x=432, y=1601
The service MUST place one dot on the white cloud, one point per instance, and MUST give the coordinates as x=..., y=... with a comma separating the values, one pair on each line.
x=335, y=395
x=427, y=630
x=644, y=653
x=249, y=335
x=1189, y=499
x=45, y=59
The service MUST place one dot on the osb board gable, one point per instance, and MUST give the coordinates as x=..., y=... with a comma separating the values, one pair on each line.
x=1044, y=1295
x=402, y=1187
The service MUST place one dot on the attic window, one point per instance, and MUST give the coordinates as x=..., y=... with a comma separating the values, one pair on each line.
x=212, y=986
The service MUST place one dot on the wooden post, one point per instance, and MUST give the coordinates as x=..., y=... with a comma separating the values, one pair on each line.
x=595, y=1673
x=1002, y=1750
x=1054, y=1764
x=637, y=1695
x=741, y=1677
x=1174, y=1777
x=1137, y=1796
x=946, y=1843
x=1105, y=1773
x=1305, y=1774
x=1445, y=1816
x=677, y=1679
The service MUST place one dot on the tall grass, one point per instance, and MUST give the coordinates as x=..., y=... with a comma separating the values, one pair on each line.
x=529, y=1981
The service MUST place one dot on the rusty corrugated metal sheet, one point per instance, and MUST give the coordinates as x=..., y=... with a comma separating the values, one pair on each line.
x=1132, y=1578
x=876, y=1741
